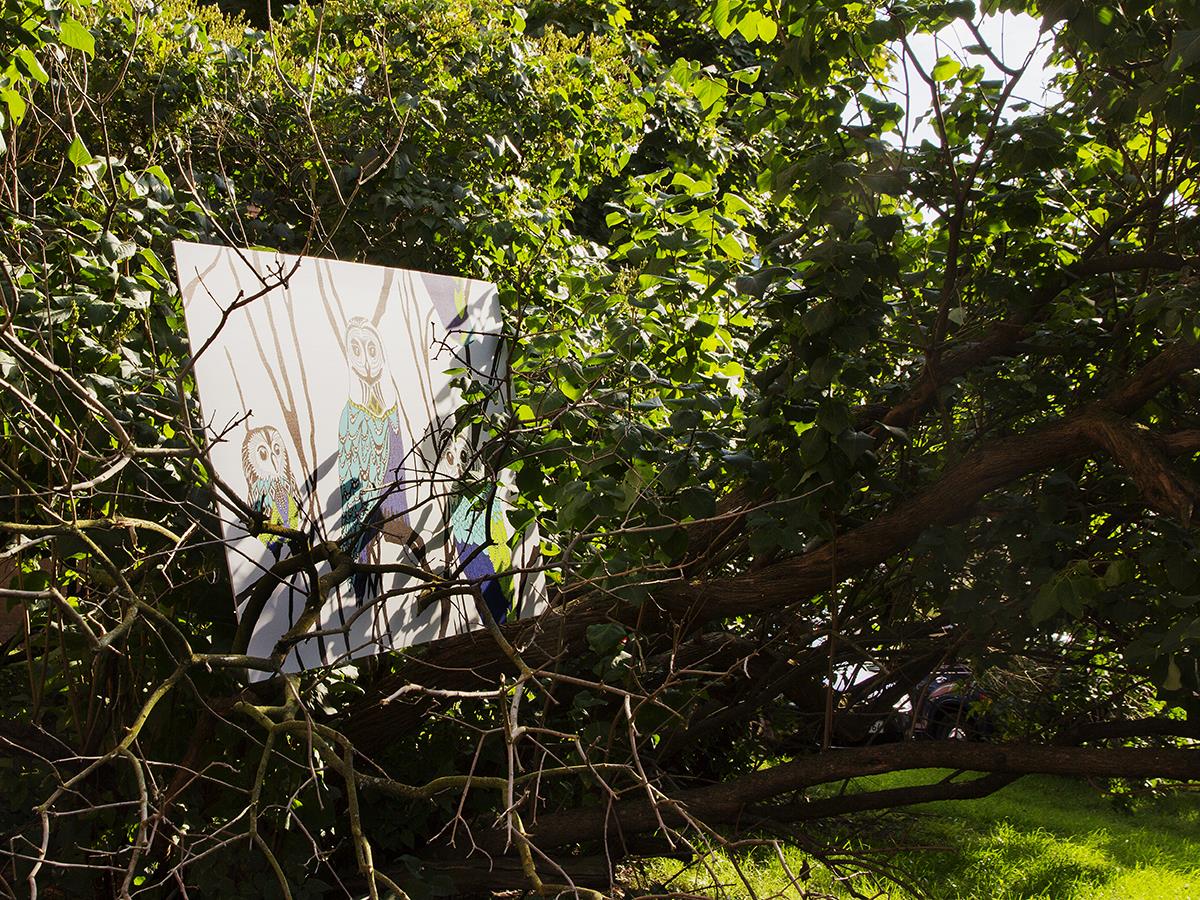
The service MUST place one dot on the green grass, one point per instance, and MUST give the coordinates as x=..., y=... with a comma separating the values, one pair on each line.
x=1045, y=838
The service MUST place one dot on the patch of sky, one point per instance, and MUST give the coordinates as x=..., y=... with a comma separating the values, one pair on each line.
x=927, y=67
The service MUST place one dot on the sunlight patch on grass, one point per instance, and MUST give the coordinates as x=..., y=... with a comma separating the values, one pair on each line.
x=1038, y=839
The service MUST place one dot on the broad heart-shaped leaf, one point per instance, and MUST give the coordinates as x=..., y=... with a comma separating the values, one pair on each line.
x=720, y=18
x=78, y=154
x=767, y=29
x=755, y=25
x=709, y=90
x=74, y=35
x=945, y=69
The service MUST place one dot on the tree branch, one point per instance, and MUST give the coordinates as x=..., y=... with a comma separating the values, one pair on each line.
x=730, y=802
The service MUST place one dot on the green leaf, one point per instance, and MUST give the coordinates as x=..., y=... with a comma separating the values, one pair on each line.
x=833, y=417
x=820, y=318
x=747, y=25
x=113, y=249
x=1045, y=605
x=855, y=443
x=709, y=90
x=1118, y=572
x=36, y=580
x=137, y=299
x=685, y=420
x=729, y=245
x=1185, y=50
x=32, y=66
x=78, y=154
x=886, y=183
x=720, y=18
x=157, y=172
x=155, y=263
x=1181, y=572
x=945, y=69
x=16, y=104
x=604, y=637
x=1174, y=680
x=74, y=35
x=697, y=502
x=571, y=391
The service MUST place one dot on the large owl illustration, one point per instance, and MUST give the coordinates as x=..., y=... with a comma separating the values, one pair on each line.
x=480, y=534
x=371, y=459
x=271, y=488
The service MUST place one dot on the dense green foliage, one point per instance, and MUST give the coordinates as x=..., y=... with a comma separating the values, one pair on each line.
x=792, y=394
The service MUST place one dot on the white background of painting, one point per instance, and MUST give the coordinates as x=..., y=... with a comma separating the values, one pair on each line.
x=289, y=342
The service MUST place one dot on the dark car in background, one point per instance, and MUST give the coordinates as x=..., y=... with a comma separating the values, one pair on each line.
x=950, y=705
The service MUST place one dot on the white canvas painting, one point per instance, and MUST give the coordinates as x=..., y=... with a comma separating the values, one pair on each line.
x=329, y=396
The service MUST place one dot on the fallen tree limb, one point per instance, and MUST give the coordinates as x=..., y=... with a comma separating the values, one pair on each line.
x=472, y=659
x=731, y=802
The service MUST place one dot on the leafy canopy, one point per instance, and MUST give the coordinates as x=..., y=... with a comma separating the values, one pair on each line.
x=794, y=392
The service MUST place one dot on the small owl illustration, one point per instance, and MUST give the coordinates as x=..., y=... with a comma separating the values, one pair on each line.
x=272, y=489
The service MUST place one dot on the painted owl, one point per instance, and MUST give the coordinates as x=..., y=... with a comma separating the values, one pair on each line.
x=480, y=533
x=371, y=459
x=271, y=488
